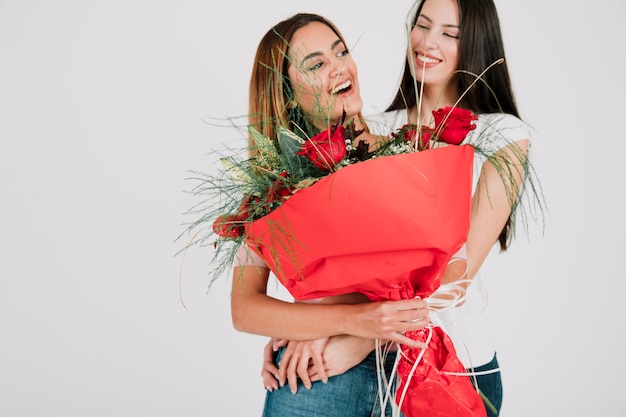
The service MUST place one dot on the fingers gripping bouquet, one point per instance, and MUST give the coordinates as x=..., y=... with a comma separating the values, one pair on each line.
x=329, y=218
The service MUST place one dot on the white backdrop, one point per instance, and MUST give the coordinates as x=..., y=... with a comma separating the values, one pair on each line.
x=103, y=111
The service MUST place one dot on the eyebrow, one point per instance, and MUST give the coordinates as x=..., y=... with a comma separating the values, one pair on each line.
x=314, y=54
x=430, y=20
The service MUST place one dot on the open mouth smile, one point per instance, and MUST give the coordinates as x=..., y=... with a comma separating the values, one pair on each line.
x=426, y=59
x=342, y=88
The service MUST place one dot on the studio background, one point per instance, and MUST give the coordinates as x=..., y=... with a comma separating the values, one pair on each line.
x=105, y=107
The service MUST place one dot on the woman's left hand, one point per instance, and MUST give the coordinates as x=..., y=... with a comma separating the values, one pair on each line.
x=296, y=360
x=269, y=371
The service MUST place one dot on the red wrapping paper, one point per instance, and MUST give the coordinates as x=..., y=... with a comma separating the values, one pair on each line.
x=432, y=391
x=387, y=228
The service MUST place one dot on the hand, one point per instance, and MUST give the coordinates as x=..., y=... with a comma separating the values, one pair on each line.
x=269, y=371
x=296, y=360
x=340, y=354
x=389, y=320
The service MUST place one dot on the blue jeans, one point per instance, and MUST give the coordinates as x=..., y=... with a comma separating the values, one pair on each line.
x=490, y=385
x=351, y=394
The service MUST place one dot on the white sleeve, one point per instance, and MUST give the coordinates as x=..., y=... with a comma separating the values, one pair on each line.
x=247, y=257
x=383, y=124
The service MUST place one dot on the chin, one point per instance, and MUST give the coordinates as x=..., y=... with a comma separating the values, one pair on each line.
x=352, y=106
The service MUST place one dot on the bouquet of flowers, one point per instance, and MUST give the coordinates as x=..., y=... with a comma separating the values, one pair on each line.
x=330, y=217
x=410, y=211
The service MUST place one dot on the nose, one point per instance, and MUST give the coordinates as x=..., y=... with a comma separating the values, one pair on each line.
x=423, y=38
x=429, y=41
x=338, y=67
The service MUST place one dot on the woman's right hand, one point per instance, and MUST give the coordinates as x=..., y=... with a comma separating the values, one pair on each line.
x=389, y=320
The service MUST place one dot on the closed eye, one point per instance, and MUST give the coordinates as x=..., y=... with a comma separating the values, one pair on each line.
x=344, y=52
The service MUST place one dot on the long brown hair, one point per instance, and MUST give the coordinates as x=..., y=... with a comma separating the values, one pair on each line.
x=270, y=101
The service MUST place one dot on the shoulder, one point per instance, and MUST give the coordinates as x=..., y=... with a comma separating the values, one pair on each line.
x=494, y=131
x=506, y=126
x=247, y=257
x=386, y=122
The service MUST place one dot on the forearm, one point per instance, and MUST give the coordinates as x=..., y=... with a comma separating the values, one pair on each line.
x=263, y=315
x=253, y=311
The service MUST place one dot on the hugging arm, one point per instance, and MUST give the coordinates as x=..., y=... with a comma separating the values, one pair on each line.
x=255, y=312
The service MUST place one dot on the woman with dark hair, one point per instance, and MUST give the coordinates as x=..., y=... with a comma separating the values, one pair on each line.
x=456, y=59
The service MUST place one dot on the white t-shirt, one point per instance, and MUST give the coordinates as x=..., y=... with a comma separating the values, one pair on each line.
x=470, y=326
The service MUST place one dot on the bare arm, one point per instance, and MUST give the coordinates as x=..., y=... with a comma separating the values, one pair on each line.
x=253, y=311
x=491, y=203
x=490, y=209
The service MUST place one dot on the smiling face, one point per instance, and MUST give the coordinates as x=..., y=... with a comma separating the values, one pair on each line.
x=434, y=53
x=323, y=75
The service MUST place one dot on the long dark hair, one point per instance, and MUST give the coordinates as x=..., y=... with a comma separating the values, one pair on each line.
x=480, y=46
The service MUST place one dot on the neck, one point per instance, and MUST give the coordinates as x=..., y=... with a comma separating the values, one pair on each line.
x=431, y=99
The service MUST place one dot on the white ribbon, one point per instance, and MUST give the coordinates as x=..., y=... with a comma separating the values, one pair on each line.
x=447, y=296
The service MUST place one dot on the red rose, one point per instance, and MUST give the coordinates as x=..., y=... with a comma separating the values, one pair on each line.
x=452, y=124
x=325, y=149
x=408, y=133
x=278, y=190
x=232, y=225
x=228, y=226
x=424, y=140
